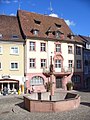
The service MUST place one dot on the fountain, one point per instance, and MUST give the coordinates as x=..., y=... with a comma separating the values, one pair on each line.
x=51, y=101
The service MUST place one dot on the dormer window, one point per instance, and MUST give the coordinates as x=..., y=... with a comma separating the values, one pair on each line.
x=35, y=32
x=15, y=36
x=70, y=35
x=37, y=22
x=58, y=25
x=57, y=34
x=0, y=36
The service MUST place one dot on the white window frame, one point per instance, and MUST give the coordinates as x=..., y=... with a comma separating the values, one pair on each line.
x=32, y=46
x=70, y=49
x=1, y=50
x=32, y=63
x=13, y=51
x=58, y=47
x=70, y=63
x=37, y=80
x=42, y=47
x=43, y=63
x=14, y=63
x=57, y=63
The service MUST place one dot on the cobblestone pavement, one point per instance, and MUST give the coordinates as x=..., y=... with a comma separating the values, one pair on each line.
x=11, y=108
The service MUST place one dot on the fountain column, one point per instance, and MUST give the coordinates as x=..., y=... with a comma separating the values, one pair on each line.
x=52, y=78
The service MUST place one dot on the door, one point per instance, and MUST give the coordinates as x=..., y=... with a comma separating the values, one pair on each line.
x=58, y=82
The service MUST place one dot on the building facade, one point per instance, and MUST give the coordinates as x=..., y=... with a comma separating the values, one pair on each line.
x=46, y=37
x=77, y=77
x=86, y=61
x=36, y=48
x=11, y=54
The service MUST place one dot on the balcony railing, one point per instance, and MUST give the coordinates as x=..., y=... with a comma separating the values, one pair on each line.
x=63, y=70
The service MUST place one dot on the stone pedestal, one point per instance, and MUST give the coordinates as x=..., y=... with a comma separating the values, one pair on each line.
x=52, y=80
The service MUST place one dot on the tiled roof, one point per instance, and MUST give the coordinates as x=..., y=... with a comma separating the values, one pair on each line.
x=87, y=39
x=79, y=39
x=46, y=23
x=9, y=28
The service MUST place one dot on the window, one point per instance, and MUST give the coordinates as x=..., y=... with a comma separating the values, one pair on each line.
x=0, y=65
x=69, y=49
x=78, y=50
x=76, y=78
x=58, y=33
x=43, y=47
x=85, y=69
x=87, y=45
x=70, y=63
x=37, y=80
x=35, y=32
x=14, y=66
x=37, y=22
x=32, y=63
x=43, y=63
x=14, y=50
x=15, y=36
x=78, y=64
x=57, y=63
x=58, y=47
x=0, y=50
x=57, y=25
x=32, y=46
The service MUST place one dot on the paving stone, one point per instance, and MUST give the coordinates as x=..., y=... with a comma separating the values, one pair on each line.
x=11, y=108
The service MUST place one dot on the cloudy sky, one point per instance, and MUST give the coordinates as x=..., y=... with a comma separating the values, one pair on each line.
x=76, y=13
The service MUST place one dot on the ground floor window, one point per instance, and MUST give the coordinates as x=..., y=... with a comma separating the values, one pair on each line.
x=37, y=80
x=76, y=78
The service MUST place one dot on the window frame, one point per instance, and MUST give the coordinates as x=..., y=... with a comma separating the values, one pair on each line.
x=58, y=47
x=12, y=50
x=70, y=50
x=70, y=63
x=33, y=46
x=43, y=63
x=32, y=64
x=78, y=50
x=79, y=64
x=57, y=34
x=14, y=62
x=57, y=63
x=36, y=82
x=42, y=47
x=76, y=80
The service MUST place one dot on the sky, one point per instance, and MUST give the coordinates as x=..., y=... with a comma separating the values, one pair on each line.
x=76, y=13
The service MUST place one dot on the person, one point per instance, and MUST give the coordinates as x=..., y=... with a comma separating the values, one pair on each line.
x=4, y=90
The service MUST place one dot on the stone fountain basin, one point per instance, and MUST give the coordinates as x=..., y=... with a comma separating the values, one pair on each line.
x=43, y=102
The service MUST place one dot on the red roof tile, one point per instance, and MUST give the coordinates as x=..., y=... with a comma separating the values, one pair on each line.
x=9, y=28
x=27, y=21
